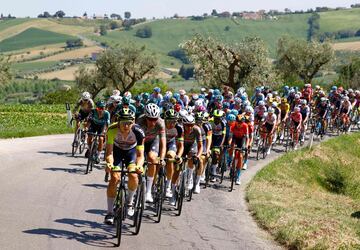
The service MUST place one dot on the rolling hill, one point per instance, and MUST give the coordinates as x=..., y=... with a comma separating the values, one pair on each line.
x=32, y=37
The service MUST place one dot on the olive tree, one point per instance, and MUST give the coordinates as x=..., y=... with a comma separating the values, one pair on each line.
x=235, y=65
x=302, y=59
x=5, y=72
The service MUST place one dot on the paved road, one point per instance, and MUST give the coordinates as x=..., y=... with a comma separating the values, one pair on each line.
x=48, y=203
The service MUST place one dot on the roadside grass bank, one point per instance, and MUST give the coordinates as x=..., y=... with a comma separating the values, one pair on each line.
x=24, y=120
x=310, y=199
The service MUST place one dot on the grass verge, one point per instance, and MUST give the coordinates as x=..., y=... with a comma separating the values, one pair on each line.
x=310, y=199
x=32, y=120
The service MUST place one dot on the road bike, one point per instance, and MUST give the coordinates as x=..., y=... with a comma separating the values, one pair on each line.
x=93, y=151
x=238, y=156
x=79, y=142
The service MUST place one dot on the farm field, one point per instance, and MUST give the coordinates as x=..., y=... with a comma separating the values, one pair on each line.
x=30, y=53
x=32, y=120
x=32, y=37
x=67, y=74
x=73, y=54
x=352, y=46
x=30, y=66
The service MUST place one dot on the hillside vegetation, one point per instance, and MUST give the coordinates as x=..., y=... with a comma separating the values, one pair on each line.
x=32, y=37
x=311, y=199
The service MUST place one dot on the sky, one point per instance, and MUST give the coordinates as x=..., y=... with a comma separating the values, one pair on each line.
x=156, y=8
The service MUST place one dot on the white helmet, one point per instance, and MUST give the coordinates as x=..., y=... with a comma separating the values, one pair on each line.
x=346, y=98
x=198, y=103
x=203, y=90
x=182, y=92
x=117, y=98
x=249, y=109
x=127, y=94
x=269, y=95
x=271, y=110
x=297, y=96
x=116, y=92
x=261, y=103
x=85, y=96
x=303, y=101
x=188, y=119
x=152, y=110
x=297, y=109
x=274, y=104
x=195, y=96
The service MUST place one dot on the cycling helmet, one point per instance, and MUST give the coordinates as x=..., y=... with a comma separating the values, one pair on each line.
x=152, y=110
x=297, y=96
x=199, y=116
x=145, y=96
x=284, y=100
x=198, y=103
x=100, y=104
x=226, y=105
x=203, y=90
x=243, y=97
x=127, y=94
x=308, y=85
x=85, y=96
x=125, y=114
x=126, y=100
x=116, y=92
x=274, y=104
x=257, y=89
x=171, y=115
x=177, y=107
x=234, y=112
x=303, y=101
x=201, y=96
x=195, y=97
x=350, y=91
x=269, y=96
x=286, y=87
x=357, y=92
x=218, y=113
x=271, y=110
x=219, y=98
x=237, y=100
x=217, y=92
x=333, y=88
x=231, y=118
x=138, y=98
x=157, y=90
x=177, y=96
x=188, y=119
x=323, y=99
x=206, y=116
x=211, y=91
x=317, y=87
x=346, y=98
x=261, y=103
x=249, y=109
x=201, y=108
x=182, y=92
x=297, y=109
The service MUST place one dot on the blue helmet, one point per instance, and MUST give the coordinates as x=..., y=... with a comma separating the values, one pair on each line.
x=138, y=98
x=157, y=90
x=286, y=87
x=333, y=88
x=201, y=96
x=177, y=96
x=217, y=92
x=243, y=97
x=234, y=112
x=231, y=118
x=257, y=89
x=226, y=105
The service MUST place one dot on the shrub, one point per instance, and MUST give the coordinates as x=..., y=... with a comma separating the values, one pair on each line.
x=179, y=54
x=335, y=180
x=145, y=32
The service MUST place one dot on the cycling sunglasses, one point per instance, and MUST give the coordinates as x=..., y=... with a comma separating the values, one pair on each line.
x=126, y=123
x=100, y=108
x=152, y=119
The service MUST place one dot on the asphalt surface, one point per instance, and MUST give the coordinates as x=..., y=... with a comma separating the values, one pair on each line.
x=48, y=203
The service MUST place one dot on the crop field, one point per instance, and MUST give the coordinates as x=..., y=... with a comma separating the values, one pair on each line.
x=340, y=20
x=32, y=120
x=73, y=54
x=32, y=37
x=32, y=66
x=33, y=53
x=354, y=46
x=67, y=74
x=5, y=24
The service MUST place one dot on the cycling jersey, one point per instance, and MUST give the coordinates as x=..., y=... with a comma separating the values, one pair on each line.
x=285, y=108
x=150, y=134
x=193, y=136
x=270, y=119
x=305, y=111
x=176, y=133
x=133, y=139
x=100, y=121
x=85, y=106
x=240, y=130
x=296, y=117
x=139, y=109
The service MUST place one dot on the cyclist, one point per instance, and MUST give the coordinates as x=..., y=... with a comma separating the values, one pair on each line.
x=305, y=113
x=174, y=148
x=206, y=132
x=269, y=126
x=193, y=148
x=184, y=98
x=113, y=102
x=156, y=95
x=218, y=137
x=155, y=142
x=139, y=106
x=307, y=92
x=126, y=103
x=125, y=143
x=296, y=121
x=345, y=110
x=99, y=119
x=260, y=111
x=239, y=132
x=86, y=104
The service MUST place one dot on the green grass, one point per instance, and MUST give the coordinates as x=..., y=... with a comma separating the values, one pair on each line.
x=31, y=66
x=310, y=199
x=32, y=37
x=12, y=22
x=32, y=120
x=340, y=20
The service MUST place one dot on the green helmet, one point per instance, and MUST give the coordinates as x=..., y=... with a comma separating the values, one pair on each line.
x=199, y=116
x=125, y=114
x=218, y=113
x=126, y=100
x=100, y=104
x=206, y=116
x=171, y=115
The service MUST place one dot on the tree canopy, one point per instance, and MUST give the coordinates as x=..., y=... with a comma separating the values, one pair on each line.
x=5, y=72
x=240, y=64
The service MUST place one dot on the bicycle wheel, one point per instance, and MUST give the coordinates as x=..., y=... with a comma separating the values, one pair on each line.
x=181, y=193
x=76, y=142
x=119, y=215
x=90, y=159
x=160, y=190
x=82, y=142
x=232, y=176
x=222, y=166
x=265, y=148
x=207, y=173
x=259, y=149
x=139, y=207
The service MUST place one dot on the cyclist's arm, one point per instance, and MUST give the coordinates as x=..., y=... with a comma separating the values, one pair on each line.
x=208, y=140
x=75, y=109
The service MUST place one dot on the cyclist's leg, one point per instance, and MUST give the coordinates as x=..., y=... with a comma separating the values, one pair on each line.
x=152, y=150
x=130, y=161
x=193, y=152
x=171, y=153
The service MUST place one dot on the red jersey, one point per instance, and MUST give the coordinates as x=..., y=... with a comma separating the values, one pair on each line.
x=296, y=117
x=240, y=129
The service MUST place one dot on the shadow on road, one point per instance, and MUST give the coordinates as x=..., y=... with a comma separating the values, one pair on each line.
x=68, y=170
x=53, y=153
x=96, y=211
x=78, y=164
x=97, y=186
